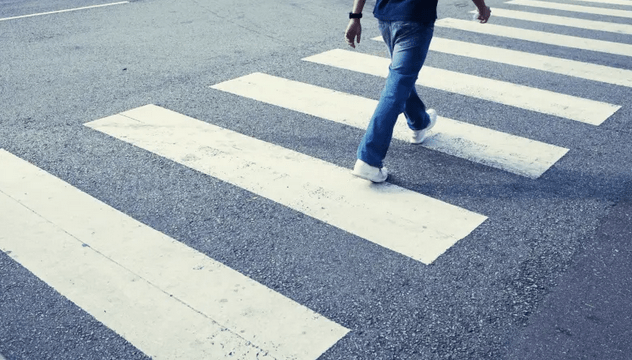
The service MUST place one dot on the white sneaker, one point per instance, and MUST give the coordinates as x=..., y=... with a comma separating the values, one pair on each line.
x=420, y=135
x=368, y=172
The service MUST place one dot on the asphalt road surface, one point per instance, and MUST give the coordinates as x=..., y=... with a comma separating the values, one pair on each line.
x=175, y=184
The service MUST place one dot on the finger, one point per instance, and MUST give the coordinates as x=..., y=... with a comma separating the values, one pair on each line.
x=349, y=39
x=359, y=37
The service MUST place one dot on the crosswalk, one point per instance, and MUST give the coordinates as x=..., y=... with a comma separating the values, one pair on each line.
x=575, y=8
x=572, y=22
x=543, y=101
x=610, y=2
x=171, y=301
x=399, y=219
x=486, y=146
x=536, y=36
x=578, y=69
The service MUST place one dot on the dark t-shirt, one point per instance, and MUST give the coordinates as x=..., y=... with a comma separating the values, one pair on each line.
x=406, y=10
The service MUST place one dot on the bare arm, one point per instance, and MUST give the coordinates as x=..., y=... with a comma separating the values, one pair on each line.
x=358, y=5
x=354, y=29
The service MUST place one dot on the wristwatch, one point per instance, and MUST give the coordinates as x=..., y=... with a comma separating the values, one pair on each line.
x=355, y=16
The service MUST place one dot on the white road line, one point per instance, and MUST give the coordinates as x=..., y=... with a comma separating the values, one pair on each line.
x=563, y=21
x=398, y=219
x=567, y=67
x=574, y=8
x=493, y=148
x=611, y=2
x=63, y=11
x=165, y=298
x=538, y=36
x=543, y=101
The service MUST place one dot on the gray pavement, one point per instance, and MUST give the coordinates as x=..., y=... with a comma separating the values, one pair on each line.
x=539, y=279
x=588, y=315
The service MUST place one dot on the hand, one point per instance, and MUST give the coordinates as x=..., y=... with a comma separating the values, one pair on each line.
x=354, y=30
x=484, y=14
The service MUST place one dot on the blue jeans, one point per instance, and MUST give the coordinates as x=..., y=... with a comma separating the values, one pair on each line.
x=408, y=44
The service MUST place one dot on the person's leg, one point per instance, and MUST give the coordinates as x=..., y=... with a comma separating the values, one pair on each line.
x=410, y=42
x=415, y=112
x=387, y=35
x=415, y=109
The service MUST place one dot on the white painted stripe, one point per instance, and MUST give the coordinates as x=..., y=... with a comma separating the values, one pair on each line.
x=543, y=101
x=165, y=298
x=538, y=36
x=146, y=316
x=500, y=150
x=401, y=220
x=567, y=67
x=611, y=2
x=563, y=21
x=574, y=8
x=63, y=11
